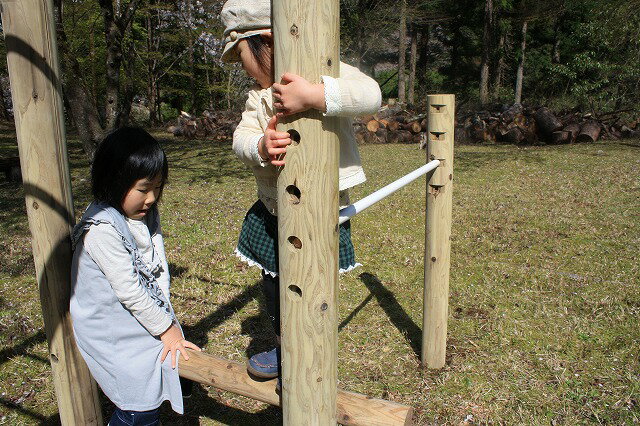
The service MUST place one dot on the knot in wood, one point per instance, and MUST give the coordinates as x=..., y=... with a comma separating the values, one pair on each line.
x=294, y=30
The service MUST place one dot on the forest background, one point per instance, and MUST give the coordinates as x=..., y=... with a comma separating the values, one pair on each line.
x=144, y=61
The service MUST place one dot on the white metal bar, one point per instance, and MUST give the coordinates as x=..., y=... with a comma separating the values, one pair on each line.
x=360, y=205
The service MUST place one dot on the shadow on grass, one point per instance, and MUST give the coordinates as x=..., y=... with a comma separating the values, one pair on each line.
x=198, y=333
x=52, y=420
x=23, y=348
x=202, y=405
x=396, y=313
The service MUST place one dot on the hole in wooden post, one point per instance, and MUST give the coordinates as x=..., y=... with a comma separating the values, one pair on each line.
x=295, y=241
x=437, y=107
x=295, y=290
x=437, y=136
x=294, y=194
x=294, y=135
x=329, y=62
x=324, y=306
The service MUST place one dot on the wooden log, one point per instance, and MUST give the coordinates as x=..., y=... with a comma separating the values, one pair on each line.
x=400, y=136
x=441, y=110
x=373, y=125
x=352, y=408
x=560, y=136
x=413, y=127
x=589, y=132
x=32, y=61
x=573, y=129
x=546, y=121
x=393, y=125
x=308, y=228
x=513, y=135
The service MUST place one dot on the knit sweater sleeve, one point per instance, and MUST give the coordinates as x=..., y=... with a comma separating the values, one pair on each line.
x=249, y=132
x=352, y=94
x=105, y=247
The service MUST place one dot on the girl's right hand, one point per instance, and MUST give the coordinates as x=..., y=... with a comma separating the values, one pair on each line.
x=273, y=144
x=173, y=342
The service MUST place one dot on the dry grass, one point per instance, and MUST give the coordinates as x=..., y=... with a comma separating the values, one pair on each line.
x=544, y=305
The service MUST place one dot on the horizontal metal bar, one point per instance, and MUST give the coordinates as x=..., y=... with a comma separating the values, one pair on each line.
x=360, y=205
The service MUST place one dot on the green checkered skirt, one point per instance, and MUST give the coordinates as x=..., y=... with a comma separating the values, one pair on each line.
x=258, y=241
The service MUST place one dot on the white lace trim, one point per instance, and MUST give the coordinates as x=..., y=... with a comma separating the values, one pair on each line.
x=332, y=97
x=252, y=262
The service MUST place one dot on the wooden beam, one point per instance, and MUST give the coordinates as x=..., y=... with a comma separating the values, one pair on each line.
x=32, y=60
x=440, y=137
x=306, y=42
x=352, y=408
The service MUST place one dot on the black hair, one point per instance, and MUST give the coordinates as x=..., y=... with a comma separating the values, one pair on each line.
x=261, y=51
x=125, y=156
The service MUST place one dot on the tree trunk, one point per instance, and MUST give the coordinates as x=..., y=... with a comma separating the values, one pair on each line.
x=486, y=48
x=402, y=49
x=412, y=66
x=555, y=54
x=499, y=69
x=519, y=76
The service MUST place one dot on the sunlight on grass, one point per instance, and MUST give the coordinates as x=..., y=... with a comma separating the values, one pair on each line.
x=544, y=303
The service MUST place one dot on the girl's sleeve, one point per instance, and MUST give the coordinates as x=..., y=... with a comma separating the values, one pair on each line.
x=353, y=93
x=248, y=133
x=104, y=245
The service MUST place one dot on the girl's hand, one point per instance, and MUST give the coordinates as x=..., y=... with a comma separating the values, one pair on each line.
x=173, y=342
x=273, y=144
x=295, y=94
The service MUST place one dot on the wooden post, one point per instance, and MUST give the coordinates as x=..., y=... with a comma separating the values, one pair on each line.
x=306, y=42
x=441, y=112
x=32, y=61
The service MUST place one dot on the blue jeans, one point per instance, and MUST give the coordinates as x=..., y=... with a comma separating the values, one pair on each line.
x=135, y=418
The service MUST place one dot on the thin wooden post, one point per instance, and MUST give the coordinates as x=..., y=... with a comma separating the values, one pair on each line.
x=32, y=61
x=441, y=113
x=306, y=42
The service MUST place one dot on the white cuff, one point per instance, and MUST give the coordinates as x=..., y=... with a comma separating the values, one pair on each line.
x=255, y=154
x=332, y=96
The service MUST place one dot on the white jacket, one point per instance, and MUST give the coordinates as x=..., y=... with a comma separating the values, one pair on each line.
x=350, y=95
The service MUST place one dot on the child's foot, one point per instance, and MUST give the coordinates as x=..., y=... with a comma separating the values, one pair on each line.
x=265, y=364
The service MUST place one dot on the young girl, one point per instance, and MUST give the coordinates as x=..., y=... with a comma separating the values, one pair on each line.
x=258, y=144
x=123, y=321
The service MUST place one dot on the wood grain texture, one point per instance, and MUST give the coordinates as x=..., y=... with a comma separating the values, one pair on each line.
x=37, y=99
x=306, y=42
x=438, y=230
x=352, y=408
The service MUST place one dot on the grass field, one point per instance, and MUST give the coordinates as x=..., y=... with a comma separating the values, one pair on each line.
x=544, y=306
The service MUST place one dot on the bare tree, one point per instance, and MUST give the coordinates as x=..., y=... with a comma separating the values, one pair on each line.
x=486, y=49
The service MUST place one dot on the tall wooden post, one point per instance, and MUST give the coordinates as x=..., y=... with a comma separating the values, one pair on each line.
x=306, y=42
x=32, y=60
x=441, y=113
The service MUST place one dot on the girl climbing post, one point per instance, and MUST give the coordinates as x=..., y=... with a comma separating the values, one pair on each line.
x=259, y=145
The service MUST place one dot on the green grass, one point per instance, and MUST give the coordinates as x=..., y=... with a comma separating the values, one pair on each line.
x=544, y=300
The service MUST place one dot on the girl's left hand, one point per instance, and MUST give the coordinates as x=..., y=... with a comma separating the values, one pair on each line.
x=173, y=342
x=295, y=94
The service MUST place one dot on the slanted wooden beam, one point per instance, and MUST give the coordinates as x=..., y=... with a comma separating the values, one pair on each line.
x=352, y=408
x=32, y=60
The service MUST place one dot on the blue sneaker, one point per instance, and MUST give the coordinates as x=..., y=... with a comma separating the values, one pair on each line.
x=265, y=364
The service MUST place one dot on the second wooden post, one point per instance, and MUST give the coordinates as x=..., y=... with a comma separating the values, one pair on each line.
x=441, y=113
x=306, y=42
